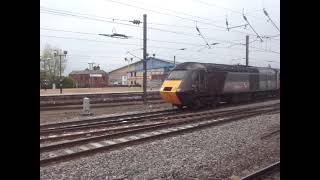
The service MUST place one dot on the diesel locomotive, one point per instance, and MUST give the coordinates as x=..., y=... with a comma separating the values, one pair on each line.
x=193, y=84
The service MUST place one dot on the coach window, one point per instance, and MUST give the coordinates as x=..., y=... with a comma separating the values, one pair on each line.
x=201, y=77
x=195, y=80
x=195, y=77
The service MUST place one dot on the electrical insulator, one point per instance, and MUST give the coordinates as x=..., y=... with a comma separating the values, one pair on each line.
x=265, y=12
x=244, y=17
x=136, y=22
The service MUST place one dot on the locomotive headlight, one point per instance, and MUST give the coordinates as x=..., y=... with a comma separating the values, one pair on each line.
x=178, y=90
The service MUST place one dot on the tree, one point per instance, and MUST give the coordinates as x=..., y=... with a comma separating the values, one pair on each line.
x=51, y=64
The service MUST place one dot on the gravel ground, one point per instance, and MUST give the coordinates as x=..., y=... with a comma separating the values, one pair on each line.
x=224, y=152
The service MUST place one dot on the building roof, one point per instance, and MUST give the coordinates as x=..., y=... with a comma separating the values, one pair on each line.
x=149, y=58
x=87, y=71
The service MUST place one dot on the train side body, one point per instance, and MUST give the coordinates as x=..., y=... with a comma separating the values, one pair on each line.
x=211, y=82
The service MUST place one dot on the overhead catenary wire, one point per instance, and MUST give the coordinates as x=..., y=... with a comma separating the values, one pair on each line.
x=102, y=56
x=228, y=9
x=140, y=39
x=93, y=40
x=245, y=18
x=152, y=28
x=200, y=34
x=94, y=17
x=116, y=42
x=111, y=20
x=179, y=12
x=83, y=14
x=128, y=52
x=174, y=42
x=84, y=17
x=180, y=17
x=182, y=57
x=274, y=24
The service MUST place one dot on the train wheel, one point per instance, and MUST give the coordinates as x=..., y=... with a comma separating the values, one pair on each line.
x=197, y=104
x=234, y=99
x=215, y=102
x=179, y=107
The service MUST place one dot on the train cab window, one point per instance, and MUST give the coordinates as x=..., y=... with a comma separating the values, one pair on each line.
x=177, y=75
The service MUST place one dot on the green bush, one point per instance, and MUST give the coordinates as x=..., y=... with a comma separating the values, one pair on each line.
x=68, y=82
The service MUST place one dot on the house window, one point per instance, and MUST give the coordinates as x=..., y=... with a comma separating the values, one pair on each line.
x=95, y=78
x=135, y=74
x=131, y=74
x=135, y=82
x=131, y=82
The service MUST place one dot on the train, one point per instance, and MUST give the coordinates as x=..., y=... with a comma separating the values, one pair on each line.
x=195, y=85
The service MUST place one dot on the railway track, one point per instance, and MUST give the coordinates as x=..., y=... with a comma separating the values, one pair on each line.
x=166, y=126
x=62, y=125
x=97, y=122
x=275, y=167
x=94, y=132
x=90, y=128
x=99, y=105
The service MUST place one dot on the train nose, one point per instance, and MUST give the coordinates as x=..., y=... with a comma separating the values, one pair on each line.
x=168, y=91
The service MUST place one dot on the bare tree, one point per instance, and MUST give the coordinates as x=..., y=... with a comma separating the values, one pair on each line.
x=51, y=64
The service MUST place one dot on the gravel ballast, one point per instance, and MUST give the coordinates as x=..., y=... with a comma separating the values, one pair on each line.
x=56, y=116
x=223, y=152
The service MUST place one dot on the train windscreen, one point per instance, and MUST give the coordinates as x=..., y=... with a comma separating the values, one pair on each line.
x=177, y=75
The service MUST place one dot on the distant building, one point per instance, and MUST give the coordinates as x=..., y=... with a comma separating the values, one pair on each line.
x=157, y=71
x=90, y=78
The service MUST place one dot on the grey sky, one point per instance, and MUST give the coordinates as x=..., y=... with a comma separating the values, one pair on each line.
x=110, y=52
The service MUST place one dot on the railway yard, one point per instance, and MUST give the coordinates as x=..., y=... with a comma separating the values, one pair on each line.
x=160, y=90
x=124, y=139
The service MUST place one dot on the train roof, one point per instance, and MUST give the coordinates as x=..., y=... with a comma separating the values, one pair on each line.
x=219, y=67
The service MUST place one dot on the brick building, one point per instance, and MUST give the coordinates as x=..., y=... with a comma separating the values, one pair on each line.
x=90, y=78
x=157, y=71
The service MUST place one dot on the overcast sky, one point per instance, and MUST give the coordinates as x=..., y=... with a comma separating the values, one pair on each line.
x=74, y=26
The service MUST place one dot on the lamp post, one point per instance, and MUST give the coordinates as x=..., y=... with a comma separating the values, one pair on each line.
x=56, y=53
x=45, y=73
x=174, y=57
x=40, y=72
